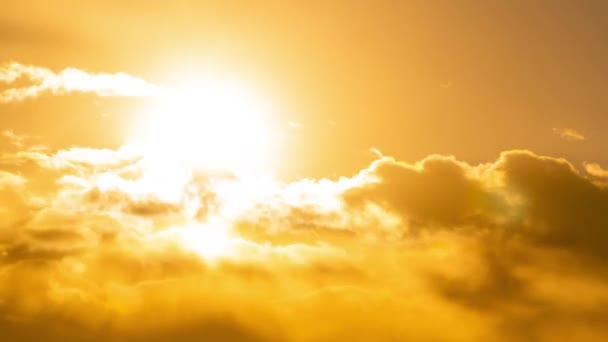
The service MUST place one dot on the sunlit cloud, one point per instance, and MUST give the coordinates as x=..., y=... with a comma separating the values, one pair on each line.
x=596, y=170
x=18, y=140
x=40, y=80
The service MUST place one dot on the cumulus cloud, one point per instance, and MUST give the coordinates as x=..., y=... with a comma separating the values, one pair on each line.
x=32, y=81
x=435, y=190
x=569, y=134
x=114, y=246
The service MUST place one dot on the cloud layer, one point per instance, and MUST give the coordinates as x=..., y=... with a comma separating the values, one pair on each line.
x=102, y=245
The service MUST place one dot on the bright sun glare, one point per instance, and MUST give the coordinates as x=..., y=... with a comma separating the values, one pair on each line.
x=211, y=240
x=211, y=123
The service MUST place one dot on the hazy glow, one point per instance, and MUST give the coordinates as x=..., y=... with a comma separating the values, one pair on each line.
x=211, y=240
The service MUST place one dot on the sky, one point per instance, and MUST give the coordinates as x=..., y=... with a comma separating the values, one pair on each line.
x=303, y=170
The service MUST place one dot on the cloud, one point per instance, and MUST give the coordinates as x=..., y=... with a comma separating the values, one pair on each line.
x=596, y=170
x=112, y=246
x=41, y=80
x=435, y=190
x=8, y=179
x=569, y=134
x=562, y=207
x=540, y=198
x=17, y=140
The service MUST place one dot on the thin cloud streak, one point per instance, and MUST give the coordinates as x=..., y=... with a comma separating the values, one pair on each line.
x=569, y=134
x=69, y=80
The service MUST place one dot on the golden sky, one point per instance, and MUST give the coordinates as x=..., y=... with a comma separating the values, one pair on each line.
x=303, y=171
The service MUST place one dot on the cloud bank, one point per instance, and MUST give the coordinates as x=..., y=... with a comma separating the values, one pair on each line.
x=102, y=245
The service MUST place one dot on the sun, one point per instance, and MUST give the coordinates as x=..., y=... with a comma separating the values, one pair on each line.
x=216, y=123
x=208, y=124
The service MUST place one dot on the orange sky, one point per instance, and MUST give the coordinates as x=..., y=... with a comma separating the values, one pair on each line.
x=303, y=170
x=410, y=78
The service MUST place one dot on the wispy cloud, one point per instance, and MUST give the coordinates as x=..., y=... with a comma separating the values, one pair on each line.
x=15, y=139
x=41, y=80
x=569, y=134
x=596, y=170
